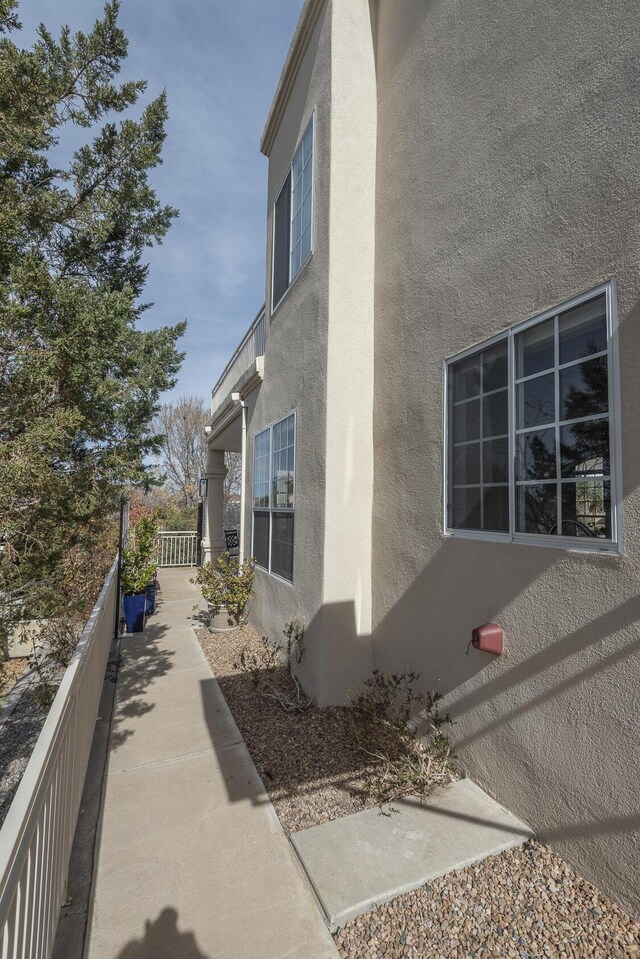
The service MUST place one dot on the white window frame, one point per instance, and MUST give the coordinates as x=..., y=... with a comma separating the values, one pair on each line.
x=271, y=509
x=289, y=172
x=615, y=544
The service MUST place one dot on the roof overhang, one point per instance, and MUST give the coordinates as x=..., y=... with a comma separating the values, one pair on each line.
x=231, y=408
x=303, y=32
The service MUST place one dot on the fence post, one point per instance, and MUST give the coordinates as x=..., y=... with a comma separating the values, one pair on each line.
x=121, y=538
x=199, y=532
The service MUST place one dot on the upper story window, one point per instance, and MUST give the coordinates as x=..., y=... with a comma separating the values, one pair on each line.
x=531, y=443
x=292, y=219
x=273, y=497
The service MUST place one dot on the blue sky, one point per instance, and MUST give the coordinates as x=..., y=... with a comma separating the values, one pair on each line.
x=220, y=63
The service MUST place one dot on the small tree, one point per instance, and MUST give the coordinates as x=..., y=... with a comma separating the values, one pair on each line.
x=183, y=451
x=226, y=585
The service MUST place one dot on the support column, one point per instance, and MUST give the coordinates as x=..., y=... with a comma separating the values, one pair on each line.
x=213, y=543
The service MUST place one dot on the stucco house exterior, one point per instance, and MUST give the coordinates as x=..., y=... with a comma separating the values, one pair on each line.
x=438, y=405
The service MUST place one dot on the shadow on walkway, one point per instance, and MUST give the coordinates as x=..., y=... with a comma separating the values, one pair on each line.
x=163, y=940
x=146, y=661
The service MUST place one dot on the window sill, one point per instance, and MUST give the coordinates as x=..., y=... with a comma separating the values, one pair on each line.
x=280, y=579
x=274, y=309
x=524, y=539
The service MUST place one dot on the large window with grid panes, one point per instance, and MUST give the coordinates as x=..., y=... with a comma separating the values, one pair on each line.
x=273, y=497
x=293, y=219
x=532, y=431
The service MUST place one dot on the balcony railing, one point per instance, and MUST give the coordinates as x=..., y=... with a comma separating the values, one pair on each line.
x=177, y=548
x=251, y=347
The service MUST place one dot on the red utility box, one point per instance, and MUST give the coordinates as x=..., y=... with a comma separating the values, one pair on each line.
x=488, y=638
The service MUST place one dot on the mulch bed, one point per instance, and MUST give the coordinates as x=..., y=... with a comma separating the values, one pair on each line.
x=526, y=903
x=307, y=761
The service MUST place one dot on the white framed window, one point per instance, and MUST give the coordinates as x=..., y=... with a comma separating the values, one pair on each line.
x=293, y=219
x=532, y=431
x=274, y=497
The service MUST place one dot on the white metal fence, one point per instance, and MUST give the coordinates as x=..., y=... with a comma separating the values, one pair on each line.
x=37, y=835
x=177, y=548
x=251, y=347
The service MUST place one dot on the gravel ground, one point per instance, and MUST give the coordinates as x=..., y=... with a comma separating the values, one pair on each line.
x=305, y=760
x=522, y=904
x=17, y=739
x=526, y=903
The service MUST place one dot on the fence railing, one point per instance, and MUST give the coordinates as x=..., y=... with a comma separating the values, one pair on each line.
x=37, y=835
x=251, y=347
x=177, y=548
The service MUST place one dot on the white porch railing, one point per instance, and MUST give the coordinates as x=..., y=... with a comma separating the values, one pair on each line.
x=251, y=347
x=177, y=548
x=37, y=835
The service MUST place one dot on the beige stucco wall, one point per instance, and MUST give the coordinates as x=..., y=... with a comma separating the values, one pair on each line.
x=349, y=396
x=508, y=181
x=295, y=360
x=319, y=357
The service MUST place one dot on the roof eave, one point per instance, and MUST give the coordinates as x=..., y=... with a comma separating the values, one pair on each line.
x=297, y=49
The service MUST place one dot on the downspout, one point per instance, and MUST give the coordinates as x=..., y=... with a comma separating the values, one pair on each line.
x=243, y=471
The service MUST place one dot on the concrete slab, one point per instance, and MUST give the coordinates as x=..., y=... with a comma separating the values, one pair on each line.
x=191, y=860
x=175, y=585
x=161, y=648
x=177, y=714
x=175, y=614
x=369, y=858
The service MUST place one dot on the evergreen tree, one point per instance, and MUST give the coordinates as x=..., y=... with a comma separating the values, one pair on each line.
x=79, y=381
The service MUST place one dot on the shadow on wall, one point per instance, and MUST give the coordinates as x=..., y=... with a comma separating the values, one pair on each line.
x=445, y=602
x=336, y=659
x=429, y=629
x=627, y=614
x=163, y=940
x=550, y=727
x=431, y=610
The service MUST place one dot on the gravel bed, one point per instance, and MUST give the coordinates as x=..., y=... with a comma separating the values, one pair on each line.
x=17, y=739
x=526, y=903
x=306, y=760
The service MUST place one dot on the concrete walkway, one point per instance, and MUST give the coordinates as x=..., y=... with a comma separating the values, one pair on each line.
x=368, y=858
x=191, y=861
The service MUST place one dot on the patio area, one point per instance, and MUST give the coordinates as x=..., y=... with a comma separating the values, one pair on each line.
x=190, y=859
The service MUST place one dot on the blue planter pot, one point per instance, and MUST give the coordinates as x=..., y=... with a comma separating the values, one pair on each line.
x=134, y=607
x=151, y=598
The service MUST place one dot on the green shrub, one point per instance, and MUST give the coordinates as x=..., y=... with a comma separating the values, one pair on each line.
x=384, y=721
x=145, y=532
x=139, y=561
x=136, y=572
x=226, y=584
